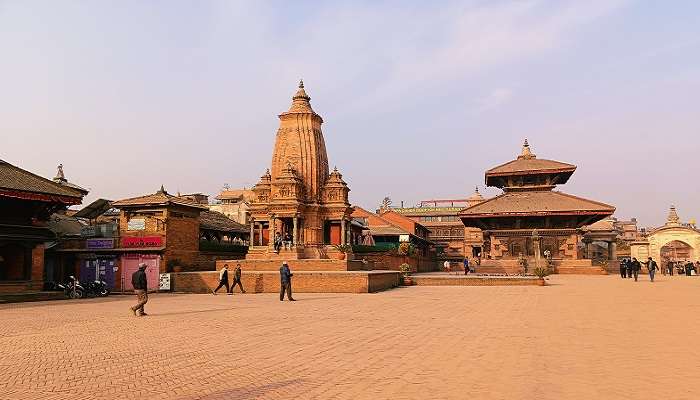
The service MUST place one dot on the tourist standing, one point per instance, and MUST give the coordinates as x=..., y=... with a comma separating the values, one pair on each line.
x=623, y=268
x=652, y=267
x=277, y=242
x=288, y=240
x=466, y=265
x=636, y=267
x=670, y=268
x=237, y=278
x=140, y=284
x=688, y=268
x=630, y=268
x=286, y=282
x=446, y=266
x=223, y=280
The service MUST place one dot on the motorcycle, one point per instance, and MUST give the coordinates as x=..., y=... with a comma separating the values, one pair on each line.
x=96, y=288
x=72, y=289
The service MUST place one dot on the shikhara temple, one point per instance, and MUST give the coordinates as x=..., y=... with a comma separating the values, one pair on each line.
x=530, y=205
x=298, y=195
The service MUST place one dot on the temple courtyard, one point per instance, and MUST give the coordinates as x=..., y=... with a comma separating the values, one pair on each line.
x=579, y=337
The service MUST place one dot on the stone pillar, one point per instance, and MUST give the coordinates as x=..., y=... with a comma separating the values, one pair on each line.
x=260, y=236
x=589, y=248
x=342, y=231
x=272, y=230
x=295, y=232
x=612, y=251
x=252, y=233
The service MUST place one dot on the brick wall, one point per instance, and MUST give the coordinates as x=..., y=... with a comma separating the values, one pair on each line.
x=391, y=262
x=302, y=282
x=295, y=265
x=476, y=281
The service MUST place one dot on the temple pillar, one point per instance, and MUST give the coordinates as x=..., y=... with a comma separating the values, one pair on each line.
x=295, y=230
x=612, y=251
x=260, y=234
x=342, y=231
x=251, y=241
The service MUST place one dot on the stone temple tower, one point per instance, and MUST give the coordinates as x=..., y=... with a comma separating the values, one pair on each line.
x=298, y=197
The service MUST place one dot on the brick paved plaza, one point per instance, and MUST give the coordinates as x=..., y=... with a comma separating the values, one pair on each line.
x=582, y=337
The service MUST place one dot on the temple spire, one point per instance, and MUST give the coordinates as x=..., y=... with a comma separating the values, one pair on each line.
x=672, y=218
x=60, y=176
x=162, y=190
x=526, y=153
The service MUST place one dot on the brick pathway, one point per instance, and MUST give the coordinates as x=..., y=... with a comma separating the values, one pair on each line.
x=594, y=337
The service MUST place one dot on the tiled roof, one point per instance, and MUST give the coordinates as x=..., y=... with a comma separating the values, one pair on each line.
x=15, y=179
x=216, y=221
x=157, y=199
x=536, y=203
x=522, y=166
x=244, y=194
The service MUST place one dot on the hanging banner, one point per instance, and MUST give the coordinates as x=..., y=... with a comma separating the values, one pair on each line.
x=146, y=241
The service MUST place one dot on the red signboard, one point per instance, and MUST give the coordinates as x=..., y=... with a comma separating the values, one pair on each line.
x=146, y=241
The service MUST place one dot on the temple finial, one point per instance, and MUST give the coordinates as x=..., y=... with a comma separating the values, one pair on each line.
x=476, y=189
x=162, y=190
x=60, y=176
x=526, y=153
x=301, y=83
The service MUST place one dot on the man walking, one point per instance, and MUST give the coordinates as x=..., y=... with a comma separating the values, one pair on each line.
x=636, y=266
x=223, y=280
x=140, y=284
x=623, y=268
x=466, y=265
x=630, y=268
x=670, y=268
x=652, y=267
x=285, y=282
x=237, y=279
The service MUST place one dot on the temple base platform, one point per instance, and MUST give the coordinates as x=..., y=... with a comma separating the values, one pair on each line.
x=302, y=282
x=445, y=279
x=561, y=266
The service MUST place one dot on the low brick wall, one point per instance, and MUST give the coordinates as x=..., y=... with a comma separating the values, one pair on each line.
x=391, y=262
x=295, y=265
x=475, y=280
x=302, y=282
x=564, y=266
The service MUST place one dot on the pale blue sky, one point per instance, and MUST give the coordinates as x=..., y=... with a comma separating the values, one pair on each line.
x=419, y=98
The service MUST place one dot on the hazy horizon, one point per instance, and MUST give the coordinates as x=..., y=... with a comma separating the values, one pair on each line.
x=418, y=99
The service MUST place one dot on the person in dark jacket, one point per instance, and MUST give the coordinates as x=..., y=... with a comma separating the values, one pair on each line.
x=630, y=267
x=670, y=268
x=623, y=268
x=689, y=268
x=285, y=282
x=140, y=283
x=223, y=280
x=466, y=265
x=636, y=267
x=237, y=279
x=652, y=267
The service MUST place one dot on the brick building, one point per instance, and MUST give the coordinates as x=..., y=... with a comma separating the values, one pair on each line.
x=234, y=204
x=452, y=239
x=27, y=202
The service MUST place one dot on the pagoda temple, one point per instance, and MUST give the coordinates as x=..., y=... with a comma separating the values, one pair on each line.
x=298, y=196
x=529, y=209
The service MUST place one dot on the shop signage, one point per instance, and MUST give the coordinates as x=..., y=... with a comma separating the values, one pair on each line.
x=99, y=244
x=164, y=282
x=404, y=238
x=136, y=224
x=88, y=231
x=146, y=241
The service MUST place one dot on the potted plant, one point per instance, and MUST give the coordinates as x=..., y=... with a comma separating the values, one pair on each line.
x=406, y=271
x=343, y=249
x=541, y=272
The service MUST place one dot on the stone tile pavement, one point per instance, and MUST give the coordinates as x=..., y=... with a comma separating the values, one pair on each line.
x=581, y=337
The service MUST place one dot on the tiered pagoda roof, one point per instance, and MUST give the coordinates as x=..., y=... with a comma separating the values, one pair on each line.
x=527, y=184
x=159, y=198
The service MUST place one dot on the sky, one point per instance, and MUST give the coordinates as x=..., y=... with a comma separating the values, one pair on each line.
x=418, y=98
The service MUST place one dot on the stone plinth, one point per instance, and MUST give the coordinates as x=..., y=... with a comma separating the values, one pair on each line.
x=443, y=279
x=296, y=265
x=303, y=281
